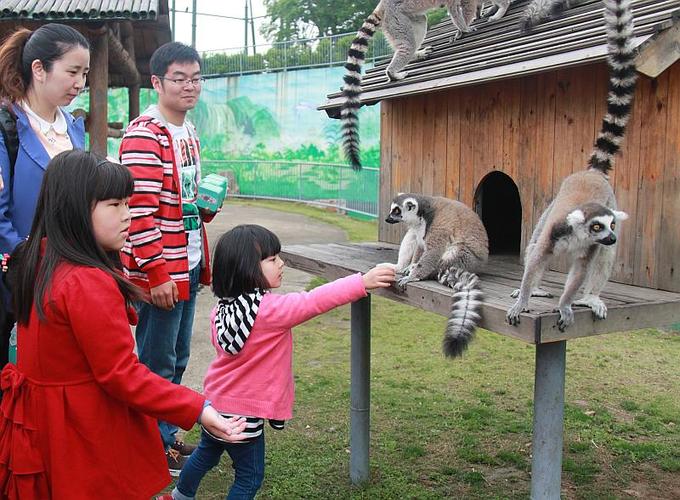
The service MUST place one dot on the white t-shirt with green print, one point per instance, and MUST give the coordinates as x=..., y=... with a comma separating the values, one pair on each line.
x=189, y=167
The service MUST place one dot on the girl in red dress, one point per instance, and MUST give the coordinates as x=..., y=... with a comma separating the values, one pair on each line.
x=77, y=418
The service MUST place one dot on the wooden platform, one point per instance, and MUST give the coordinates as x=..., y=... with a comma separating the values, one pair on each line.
x=630, y=307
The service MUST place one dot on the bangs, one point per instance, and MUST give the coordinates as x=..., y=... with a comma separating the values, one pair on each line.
x=267, y=242
x=114, y=181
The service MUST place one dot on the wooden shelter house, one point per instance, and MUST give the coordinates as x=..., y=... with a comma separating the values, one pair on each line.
x=122, y=33
x=498, y=118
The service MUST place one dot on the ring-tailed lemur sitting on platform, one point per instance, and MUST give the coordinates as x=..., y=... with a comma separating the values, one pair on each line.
x=581, y=220
x=445, y=240
x=404, y=24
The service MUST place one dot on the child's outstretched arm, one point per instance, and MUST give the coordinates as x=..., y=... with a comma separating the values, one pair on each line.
x=291, y=309
x=379, y=277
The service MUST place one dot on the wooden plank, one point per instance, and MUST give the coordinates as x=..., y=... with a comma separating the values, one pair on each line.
x=439, y=102
x=625, y=180
x=416, y=109
x=619, y=319
x=658, y=55
x=427, y=162
x=332, y=261
x=544, y=150
x=385, y=233
x=668, y=257
x=654, y=108
x=454, y=144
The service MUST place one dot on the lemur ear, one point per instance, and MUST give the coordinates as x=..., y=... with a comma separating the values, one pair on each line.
x=576, y=217
x=620, y=215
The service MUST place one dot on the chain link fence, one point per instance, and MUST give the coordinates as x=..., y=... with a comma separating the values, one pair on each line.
x=293, y=54
x=322, y=184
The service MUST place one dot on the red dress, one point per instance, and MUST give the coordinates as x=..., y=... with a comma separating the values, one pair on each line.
x=77, y=419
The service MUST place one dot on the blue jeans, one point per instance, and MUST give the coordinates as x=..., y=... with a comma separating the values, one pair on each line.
x=164, y=340
x=247, y=461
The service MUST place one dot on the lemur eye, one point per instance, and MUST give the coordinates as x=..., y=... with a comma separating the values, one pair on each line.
x=596, y=227
x=397, y=210
x=613, y=225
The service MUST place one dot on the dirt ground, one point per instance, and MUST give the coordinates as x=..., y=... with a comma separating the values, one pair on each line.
x=291, y=229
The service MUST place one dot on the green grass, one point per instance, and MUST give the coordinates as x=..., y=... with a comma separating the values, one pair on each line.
x=462, y=429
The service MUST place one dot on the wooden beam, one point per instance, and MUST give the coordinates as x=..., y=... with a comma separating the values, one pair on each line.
x=128, y=41
x=99, y=86
x=659, y=53
x=120, y=59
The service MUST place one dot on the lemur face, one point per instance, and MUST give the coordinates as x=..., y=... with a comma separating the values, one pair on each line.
x=598, y=227
x=405, y=210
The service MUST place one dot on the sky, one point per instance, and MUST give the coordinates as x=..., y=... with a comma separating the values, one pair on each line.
x=214, y=32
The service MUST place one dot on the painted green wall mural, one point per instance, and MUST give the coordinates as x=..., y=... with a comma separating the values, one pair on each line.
x=266, y=116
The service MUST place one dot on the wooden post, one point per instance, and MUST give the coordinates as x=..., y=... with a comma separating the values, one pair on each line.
x=128, y=41
x=133, y=102
x=99, y=86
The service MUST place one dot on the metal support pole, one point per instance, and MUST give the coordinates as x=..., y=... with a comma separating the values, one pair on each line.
x=193, y=24
x=360, y=390
x=174, y=15
x=546, y=464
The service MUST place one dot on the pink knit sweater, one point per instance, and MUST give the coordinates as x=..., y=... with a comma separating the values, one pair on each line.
x=258, y=381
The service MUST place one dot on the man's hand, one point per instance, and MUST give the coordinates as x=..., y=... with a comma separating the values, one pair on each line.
x=165, y=296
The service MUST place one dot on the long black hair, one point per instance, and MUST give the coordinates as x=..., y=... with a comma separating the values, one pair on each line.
x=236, y=262
x=73, y=183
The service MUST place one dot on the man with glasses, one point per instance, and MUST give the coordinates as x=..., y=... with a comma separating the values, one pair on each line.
x=166, y=252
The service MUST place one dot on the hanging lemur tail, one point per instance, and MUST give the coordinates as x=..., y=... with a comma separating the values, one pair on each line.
x=539, y=11
x=622, y=77
x=464, y=316
x=351, y=90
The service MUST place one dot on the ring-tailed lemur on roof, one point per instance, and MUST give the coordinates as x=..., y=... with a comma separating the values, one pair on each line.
x=445, y=240
x=581, y=220
x=541, y=10
x=404, y=24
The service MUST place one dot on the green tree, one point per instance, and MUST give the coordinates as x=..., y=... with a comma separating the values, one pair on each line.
x=298, y=19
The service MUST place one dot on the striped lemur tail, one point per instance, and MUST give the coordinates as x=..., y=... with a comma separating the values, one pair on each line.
x=538, y=11
x=464, y=315
x=351, y=90
x=622, y=77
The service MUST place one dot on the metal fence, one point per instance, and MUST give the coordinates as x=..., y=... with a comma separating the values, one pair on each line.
x=292, y=54
x=322, y=184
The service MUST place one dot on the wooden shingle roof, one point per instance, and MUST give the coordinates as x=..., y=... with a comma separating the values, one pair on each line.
x=95, y=10
x=498, y=50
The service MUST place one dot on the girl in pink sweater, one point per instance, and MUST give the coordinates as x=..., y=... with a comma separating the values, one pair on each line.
x=251, y=375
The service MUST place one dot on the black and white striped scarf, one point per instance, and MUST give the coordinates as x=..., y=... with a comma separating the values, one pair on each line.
x=235, y=318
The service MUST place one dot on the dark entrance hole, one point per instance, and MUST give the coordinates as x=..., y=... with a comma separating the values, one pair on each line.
x=497, y=203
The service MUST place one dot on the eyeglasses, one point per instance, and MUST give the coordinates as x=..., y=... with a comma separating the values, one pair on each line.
x=184, y=81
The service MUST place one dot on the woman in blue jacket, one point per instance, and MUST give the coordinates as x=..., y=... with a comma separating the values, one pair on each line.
x=40, y=71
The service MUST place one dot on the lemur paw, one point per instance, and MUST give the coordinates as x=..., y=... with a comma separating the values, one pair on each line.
x=423, y=53
x=566, y=318
x=512, y=316
x=395, y=77
x=595, y=304
x=401, y=283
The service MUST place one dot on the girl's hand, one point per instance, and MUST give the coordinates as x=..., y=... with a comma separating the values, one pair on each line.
x=379, y=277
x=229, y=429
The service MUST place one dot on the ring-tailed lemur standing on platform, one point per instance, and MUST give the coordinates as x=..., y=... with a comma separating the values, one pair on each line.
x=581, y=220
x=541, y=10
x=404, y=24
x=445, y=240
